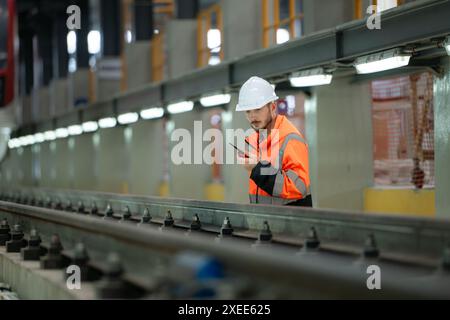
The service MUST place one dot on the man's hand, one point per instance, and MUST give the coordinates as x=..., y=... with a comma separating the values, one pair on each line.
x=248, y=163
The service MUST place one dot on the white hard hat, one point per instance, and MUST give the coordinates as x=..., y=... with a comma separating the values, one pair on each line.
x=255, y=94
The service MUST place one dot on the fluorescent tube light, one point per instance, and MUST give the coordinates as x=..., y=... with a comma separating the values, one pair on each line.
x=180, y=107
x=215, y=100
x=49, y=135
x=23, y=141
x=17, y=143
x=152, y=113
x=14, y=143
x=89, y=126
x=75, y=130
x=107, y=123
x=62, y=133
x=39, y=137
x=30, y=140
x=128, y=118
x=310, y=78
x=382, y=61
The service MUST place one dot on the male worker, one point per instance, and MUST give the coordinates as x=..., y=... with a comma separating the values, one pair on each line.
x=277, y=159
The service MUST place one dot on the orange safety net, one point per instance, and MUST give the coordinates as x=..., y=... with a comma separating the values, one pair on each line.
x=403, y=127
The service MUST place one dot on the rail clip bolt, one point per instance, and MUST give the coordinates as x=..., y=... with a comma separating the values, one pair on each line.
x=4, y=232
x=17, y=241
x=33, y=251
x=312, y=241
x=80, y=255
x=112, y=286
x=53, y=259
x=227, y=229
x=81, y=208
x=58, y=205
x=69, y=206
x=126, y=214
x=109, y=212
x=81, y=259
x=196, y=225
x=146, y=217
x=168, y=221
x=265, y=234
x=370, y=247
x=94, y=209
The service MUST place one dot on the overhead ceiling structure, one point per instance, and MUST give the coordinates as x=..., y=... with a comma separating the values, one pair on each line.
x=420, y=27
x=46, y=21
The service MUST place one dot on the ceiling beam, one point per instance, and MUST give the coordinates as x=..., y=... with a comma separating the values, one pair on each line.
x=406, y=25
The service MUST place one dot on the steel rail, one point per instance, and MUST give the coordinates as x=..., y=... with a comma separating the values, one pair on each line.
x=414, y=238
x=299, y=275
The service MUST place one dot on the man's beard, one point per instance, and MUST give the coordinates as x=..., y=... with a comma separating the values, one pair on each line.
x=267, y=124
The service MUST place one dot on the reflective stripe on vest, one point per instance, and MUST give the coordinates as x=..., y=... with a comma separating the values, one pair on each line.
x=279, y=179
x=299, y=184
x=278, y=186
x=289, y=137
x=270, y=200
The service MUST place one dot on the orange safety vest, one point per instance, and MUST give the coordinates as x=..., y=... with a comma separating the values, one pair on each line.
x=282, y=174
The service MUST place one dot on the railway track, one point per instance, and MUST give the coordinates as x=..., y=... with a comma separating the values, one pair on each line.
x=146, y=247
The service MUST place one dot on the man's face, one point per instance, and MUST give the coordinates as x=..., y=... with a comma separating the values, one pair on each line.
x=260, y=118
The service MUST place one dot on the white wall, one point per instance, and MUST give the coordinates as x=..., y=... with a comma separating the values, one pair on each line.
x=442, y=142
x=339, y=131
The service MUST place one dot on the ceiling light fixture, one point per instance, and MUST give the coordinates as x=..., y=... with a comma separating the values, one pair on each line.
x=106, y=123
x=180, y=107
x=128, y=118
x=152, y=113
x=215, y=100
x=310, y=78
x=382, y=61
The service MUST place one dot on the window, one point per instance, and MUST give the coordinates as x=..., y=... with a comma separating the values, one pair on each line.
x=403, y=131
x=158, y=57
x=163, y=12
x=209, y=36
x=282, y=21
x=164, y=8
x=382, y=5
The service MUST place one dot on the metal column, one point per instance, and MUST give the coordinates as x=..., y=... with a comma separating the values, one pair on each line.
x=111, y=22
x=143, y=20
x=82, y=34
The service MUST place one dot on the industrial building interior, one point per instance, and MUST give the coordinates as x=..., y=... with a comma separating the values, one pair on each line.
x=92, y=91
